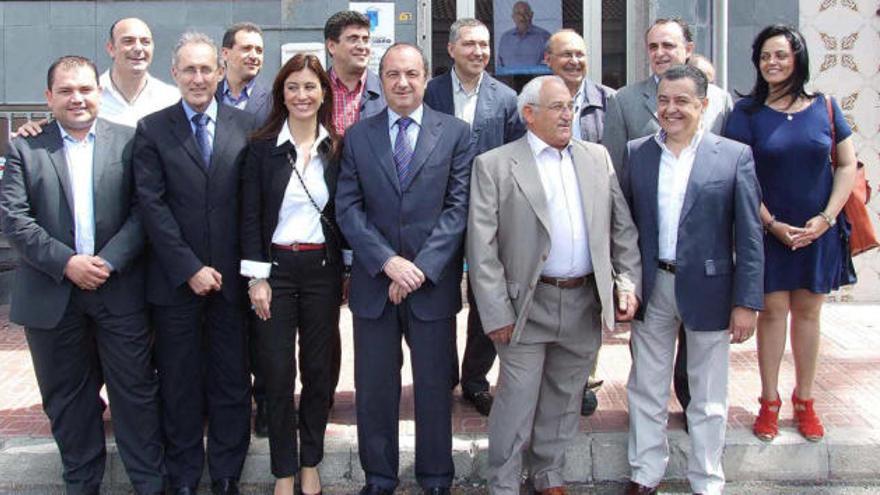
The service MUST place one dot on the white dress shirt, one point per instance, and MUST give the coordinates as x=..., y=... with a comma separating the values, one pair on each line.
x=569, y=242
x=155, y=96
x=672, y=182
x=412, y=132
x=80, y=157
x=298, y=220
x=465, y=103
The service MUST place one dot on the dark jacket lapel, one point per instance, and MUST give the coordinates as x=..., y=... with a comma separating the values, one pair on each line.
x=649, y=96
x=429, y=136
x=223, y=131
x=445, y=99
x=485, y=102
x=381, y=144
x=700, y=172
x=181, y=128
x=55, y=147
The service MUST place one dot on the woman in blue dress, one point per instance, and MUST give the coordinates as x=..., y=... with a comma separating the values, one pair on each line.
x=790, y=135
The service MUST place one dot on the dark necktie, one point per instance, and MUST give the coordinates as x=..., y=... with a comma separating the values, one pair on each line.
x=403, y=153
x=202, y=137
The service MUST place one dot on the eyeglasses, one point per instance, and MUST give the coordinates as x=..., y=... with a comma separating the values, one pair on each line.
x=557, y=107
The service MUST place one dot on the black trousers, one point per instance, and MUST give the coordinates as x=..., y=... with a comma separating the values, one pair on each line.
x=479, y=352
x=201, y=356
x=306, y=295
x=377, y=359
x=69, y=361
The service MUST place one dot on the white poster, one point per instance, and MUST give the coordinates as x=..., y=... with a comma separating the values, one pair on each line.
x=381, y=16
x=521, y=31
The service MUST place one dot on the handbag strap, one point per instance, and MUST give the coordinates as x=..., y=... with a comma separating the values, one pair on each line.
x=308, y=194
x=830, y=109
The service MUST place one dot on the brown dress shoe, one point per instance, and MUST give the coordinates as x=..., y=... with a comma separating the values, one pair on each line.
x=556, y=490
x=634, y=488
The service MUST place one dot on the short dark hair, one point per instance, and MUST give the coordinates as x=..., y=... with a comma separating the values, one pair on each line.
x=337, y=23
x=685, y=27
x=685, y=71
x=401, y=44
x=799, y=76
x=229, y=35
x=69, y=62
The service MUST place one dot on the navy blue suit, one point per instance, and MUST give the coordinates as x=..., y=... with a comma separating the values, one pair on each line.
x=496, y=122
x=423, y=221
x=718, y=219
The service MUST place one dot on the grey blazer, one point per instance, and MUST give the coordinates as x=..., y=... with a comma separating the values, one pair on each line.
x=509, y=232
x=36, y=205
x=632, y=113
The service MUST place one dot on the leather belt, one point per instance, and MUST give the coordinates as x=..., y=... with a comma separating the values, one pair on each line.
x=299, y=246
x=565, y=282
x=666, y=266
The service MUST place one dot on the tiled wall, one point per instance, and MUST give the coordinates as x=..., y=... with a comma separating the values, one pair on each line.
x=844, y=41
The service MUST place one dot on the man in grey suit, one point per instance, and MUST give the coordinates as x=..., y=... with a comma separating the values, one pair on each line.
x=694, y=197
x=632, y=114
x=489, y=107
x=401, y=203
x=551, y=247
x=632, y=111
x=67, y=205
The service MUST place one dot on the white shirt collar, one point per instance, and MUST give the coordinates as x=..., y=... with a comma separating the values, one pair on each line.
x=457, y=86
x=539, y=146
x=285, y=136
x=660, y=138
x=90, y=137
x=416, y=116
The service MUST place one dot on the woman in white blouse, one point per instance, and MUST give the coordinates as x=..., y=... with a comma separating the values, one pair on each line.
x=292, y=252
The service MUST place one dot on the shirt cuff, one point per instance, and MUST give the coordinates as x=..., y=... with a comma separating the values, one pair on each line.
x=255, y=269
x=347, y=256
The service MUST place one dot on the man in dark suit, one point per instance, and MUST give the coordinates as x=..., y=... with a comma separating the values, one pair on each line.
x=489, y=107
x=241, y=86
x=186, y=162
x=694, y=197
x=67, y=205
x=357, y=91
x=401, y=203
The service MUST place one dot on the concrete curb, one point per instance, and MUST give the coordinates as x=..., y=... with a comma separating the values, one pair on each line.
x=845, y=454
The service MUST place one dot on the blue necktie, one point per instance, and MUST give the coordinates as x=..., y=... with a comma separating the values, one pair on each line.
x=201, y=122
x=403, y=153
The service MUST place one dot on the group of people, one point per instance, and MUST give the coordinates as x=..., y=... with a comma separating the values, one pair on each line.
x=174, y=242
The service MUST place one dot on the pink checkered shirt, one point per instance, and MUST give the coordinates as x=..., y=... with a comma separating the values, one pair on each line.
x=346, y=103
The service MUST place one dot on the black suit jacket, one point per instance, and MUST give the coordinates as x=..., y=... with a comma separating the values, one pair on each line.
x=496, y=121
x=265, y=177
x=36, y=203
x=190, y=212
x=259, y=102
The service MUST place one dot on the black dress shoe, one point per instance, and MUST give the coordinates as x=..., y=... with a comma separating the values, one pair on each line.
x=371, y=489
x=590, y=402
x=634, y=488
x=440, y=490
x=225, y=486
x=184, y=490
x=481, y=400
x=261, y=420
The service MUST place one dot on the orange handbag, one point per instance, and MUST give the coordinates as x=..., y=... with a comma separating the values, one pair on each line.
x=862, y=237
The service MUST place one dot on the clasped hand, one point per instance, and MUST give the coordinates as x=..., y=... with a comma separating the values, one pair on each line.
x=205, y=280
x=405, y=277
x=87, y=272
x=798, y=237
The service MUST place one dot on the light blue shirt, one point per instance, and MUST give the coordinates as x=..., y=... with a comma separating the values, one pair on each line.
x=211, y=112
x=80, y=157
x=412, y=132
x=243, y=97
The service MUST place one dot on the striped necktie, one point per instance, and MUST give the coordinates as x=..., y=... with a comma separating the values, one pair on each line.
x=403, y=152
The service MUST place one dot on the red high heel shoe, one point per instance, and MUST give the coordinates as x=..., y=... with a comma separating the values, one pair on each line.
x=766, y=425
x=808, y=422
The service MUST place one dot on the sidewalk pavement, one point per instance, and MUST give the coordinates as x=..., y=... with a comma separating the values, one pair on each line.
x=847, y=393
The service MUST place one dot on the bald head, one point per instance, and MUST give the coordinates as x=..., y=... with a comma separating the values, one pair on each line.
x=130, y=46
x=566, y=55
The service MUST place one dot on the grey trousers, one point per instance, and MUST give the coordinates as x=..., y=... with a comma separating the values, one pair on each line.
x=540, y=386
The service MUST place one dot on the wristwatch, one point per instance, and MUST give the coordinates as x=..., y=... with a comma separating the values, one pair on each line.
x=831, y=221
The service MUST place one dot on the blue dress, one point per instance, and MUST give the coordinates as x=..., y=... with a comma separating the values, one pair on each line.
x=792, y=160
